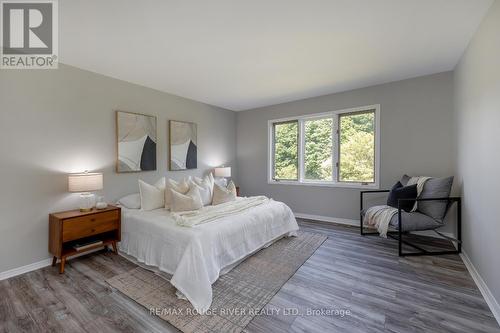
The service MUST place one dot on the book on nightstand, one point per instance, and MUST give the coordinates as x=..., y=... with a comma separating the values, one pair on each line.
x=86, y=245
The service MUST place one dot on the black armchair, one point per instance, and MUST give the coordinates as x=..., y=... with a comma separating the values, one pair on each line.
x=401, y=230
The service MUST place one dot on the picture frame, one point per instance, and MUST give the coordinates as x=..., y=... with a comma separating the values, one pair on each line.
x=183, y=145
x=136, y=142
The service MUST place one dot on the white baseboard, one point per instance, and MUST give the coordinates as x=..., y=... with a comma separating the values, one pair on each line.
x=327, y=219
x=25, y=269
x=485, y=291
x=37, y=265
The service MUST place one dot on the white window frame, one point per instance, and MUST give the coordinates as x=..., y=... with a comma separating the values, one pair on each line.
x=335, y=156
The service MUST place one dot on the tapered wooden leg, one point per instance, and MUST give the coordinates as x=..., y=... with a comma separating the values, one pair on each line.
x=54, y=261
x=63, y=262
x=115, y=248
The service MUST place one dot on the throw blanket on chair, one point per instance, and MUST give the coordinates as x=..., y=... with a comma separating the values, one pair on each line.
x=212, y=213
x=379, y=217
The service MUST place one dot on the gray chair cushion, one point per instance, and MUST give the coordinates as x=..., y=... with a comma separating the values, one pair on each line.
x=412, y=221
x=415, y=222
x=435, y=188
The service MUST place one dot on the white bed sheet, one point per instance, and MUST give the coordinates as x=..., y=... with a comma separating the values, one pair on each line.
x=195, y=257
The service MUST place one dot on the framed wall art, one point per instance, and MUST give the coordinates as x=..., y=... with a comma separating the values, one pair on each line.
x=136, y=142
x=183, y=153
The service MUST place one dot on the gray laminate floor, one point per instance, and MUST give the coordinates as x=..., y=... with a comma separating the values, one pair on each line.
x=351, y=284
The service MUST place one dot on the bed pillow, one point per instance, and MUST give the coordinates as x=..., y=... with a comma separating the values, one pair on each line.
x=186, y=202
x=212, y=180
x=221, y=181
x=131, y=201
x=152, y=196
x=180, y=187
x=222, y=194
x=208, y=180
x=399, y=191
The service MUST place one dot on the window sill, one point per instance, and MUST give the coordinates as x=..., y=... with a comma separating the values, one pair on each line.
x=325, y=184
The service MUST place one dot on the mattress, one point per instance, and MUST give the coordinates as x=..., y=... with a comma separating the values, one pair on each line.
x=195, y=257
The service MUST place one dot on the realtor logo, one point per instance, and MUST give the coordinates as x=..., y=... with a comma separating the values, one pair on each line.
x=29, y=34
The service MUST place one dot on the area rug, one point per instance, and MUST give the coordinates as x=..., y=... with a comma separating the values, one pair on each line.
x=238, y=296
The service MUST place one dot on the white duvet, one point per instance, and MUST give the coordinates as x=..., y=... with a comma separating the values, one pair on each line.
x=195, y=257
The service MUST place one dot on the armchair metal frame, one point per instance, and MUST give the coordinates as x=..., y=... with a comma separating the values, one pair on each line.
x=398, y=235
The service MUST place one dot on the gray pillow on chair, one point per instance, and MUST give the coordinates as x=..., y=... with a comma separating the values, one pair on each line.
x=405, y=179
x=435, y=188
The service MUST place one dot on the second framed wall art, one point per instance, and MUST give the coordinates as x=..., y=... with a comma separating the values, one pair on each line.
x=183, y=152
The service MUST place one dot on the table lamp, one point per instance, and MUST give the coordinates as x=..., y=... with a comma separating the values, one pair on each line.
x=223, y=172
x=84, y=183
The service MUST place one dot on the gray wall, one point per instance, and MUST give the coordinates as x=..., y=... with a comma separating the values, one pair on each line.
x=477, y=102
x=53, y=122
x=416, y=138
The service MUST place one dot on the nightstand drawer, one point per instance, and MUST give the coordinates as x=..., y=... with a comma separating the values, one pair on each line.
x=90, y=225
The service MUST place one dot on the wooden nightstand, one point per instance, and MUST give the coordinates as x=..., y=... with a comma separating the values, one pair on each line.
x=237, y=191
x=66, y=229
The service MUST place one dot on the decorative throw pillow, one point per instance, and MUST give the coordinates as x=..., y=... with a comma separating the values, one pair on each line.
x=405, y=179
x=435, y=188
x=186, y=202
x=399, y=191
x=205, y=187
x=231, y=187
x=131, y=201
x=152, y=196
x=180, y=187
x=222, y=195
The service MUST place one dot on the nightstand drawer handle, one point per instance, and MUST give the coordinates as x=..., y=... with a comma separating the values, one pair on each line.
x=92, y=220
x=93, y=230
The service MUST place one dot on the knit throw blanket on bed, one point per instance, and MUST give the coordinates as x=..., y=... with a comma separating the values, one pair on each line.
x=212, y=213
x=379, y=217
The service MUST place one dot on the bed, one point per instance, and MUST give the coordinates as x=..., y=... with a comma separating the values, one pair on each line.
x=195, y=257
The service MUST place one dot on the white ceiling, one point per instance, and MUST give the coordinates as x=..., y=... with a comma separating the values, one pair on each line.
x=241, y=54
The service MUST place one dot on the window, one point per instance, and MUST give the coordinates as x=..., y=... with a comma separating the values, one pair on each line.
x=357, y=147
x=338, y=148
x=318, y=162
x=286, y=150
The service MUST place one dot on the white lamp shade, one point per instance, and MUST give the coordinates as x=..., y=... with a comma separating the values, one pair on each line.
x=85, y=182
x=223, y=172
